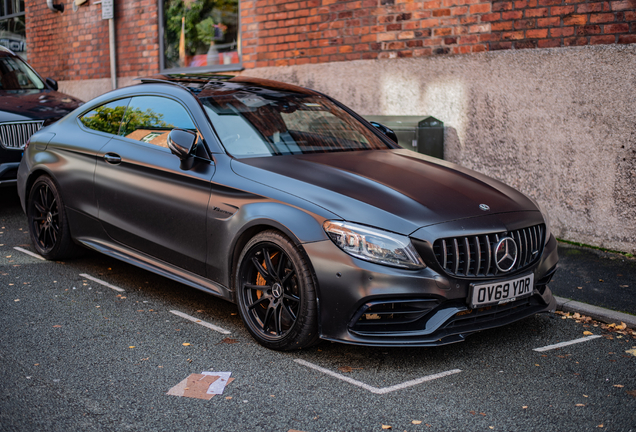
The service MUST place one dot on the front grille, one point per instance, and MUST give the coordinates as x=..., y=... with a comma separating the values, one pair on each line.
x=473, y=256
x=15, y=135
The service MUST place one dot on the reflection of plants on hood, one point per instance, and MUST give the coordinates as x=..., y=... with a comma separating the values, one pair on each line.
x=205, y=21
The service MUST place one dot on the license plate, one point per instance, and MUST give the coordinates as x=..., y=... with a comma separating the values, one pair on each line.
x=500, y=292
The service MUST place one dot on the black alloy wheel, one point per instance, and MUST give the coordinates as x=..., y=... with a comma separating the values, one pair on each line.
x=276, y=293
x=48, y=225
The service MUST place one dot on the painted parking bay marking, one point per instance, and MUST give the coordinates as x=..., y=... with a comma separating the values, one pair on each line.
x=377, y=390
x=101, y=282
x=203, y=323
x=28, y=252
x=562, y=344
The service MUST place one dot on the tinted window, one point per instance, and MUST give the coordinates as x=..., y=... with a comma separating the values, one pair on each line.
x=252, y=122
x=151, y=118
x=16, y=75
x=106, y=118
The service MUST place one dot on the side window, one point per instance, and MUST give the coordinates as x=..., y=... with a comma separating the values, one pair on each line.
x=106, y=118
x=151, y=118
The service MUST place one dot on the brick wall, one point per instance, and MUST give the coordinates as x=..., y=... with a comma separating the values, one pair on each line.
x=74, y=45
x=280, y=32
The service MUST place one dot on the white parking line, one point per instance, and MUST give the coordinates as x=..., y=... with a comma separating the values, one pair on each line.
x=203, y=323
x=101, y=282
x=377, y=390
x=562, y=344
x=28, y=252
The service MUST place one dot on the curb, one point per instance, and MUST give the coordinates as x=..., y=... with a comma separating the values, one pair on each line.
x=607, y=316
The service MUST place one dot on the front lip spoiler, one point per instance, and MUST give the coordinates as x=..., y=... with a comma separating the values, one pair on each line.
x=442, y=329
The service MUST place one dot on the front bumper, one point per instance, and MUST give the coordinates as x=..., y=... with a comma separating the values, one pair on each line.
x=425, y=308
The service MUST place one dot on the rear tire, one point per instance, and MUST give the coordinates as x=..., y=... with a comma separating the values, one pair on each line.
x=276, y=293
x=48, y=225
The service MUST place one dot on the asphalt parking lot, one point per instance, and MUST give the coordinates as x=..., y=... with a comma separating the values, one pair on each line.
x=95, y=344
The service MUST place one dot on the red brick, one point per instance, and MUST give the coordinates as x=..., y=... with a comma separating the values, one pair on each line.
x=561, y=10
x=441, y=12
x=601, y=18
x=623, y=5
x=537, y=33
x=525, y=24
x=616, y=28
x=588, y=30
x=535, y=13
x=499, y=26
x=590, y=7
x=627, y=39
x=491, y=17
x=602, y=39
x=549, y=43
x=501, y=6
x=480, y=8
x=549, y=22
x=512, y=15
x=561, y=31
x=575, y=20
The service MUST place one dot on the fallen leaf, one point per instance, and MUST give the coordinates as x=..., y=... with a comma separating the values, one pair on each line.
x=536, y=364
x=132, y=346
x=186, y=344
x=576, y=315
x=228, y=397
x=601, y=280
x=586, y=396
x=16, y=300
x=580, y=287
x=417, y=422
x=619, y=385
x=600, y=426
x=631, y=392
x=623, y=326
x=345, y=369
x=482, y=414
x=524, y=407
x=472, y=412
x=579, y=405
x=588, y=333
x=491, y=427
x=57, y=326
x=631, y=351
x=624, y=286
x=229, y=341
x=386, y=427
x=200, y=310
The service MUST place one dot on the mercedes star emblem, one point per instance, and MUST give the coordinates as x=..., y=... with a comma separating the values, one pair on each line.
x=506, y=254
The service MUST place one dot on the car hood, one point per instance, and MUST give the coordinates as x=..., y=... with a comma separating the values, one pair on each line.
x=47, y=105
x=398, y=190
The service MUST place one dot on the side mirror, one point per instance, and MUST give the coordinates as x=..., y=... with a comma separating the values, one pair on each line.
x=386, y=131
x=51, y=83
x=181, y=142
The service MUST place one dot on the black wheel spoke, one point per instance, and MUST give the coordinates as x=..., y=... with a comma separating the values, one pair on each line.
x=279, y=319
x=291, y=297
x=258, y=302
x=260, y=269
x=287, y=276
x=290, y=312
x=268, y=317
x=256, y=287
x=268, y=264
x=39, y=207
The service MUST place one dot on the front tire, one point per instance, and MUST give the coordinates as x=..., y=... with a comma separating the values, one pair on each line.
x=276, y=293
x=48, y=225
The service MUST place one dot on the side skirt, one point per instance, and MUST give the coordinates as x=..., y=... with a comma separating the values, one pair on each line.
x=162, y=268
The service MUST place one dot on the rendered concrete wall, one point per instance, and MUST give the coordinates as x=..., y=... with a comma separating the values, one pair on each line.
x=558, y=124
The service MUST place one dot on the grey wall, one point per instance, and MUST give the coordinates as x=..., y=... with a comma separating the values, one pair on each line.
x=558, y=124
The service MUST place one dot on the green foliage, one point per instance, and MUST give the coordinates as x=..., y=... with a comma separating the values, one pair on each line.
x=108, y=119
x=200, y=17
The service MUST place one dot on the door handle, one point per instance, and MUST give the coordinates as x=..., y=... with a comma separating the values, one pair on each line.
x=112, y=158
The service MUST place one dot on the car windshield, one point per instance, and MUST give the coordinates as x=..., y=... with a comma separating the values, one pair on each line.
x=16, y=75
x=257, y=121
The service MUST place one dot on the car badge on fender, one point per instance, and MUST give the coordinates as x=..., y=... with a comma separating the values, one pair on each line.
x=506, y=254
x=484, y=207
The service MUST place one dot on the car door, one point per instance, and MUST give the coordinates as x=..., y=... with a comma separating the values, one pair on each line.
x=146, y=201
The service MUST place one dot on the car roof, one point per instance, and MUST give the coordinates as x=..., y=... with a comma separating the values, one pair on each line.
x=201, y=84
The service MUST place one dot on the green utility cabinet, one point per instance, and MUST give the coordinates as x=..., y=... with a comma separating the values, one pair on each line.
x=415, y=133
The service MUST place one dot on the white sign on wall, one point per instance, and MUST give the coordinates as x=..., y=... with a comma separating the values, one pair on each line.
x=108, y=10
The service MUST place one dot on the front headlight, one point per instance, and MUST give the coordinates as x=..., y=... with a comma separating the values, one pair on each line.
x=371, y=244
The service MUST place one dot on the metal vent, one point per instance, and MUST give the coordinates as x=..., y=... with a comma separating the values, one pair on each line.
x=15, y=135
x=473, y=256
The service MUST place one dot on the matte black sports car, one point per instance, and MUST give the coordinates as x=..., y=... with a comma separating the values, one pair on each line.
x=286, y=202
x=27, y=103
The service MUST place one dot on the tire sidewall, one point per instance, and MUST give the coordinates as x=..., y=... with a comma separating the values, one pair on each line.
x=303, y=332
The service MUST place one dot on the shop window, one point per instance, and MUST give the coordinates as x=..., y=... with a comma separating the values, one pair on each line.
x=200, y=35
x=12, y=26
